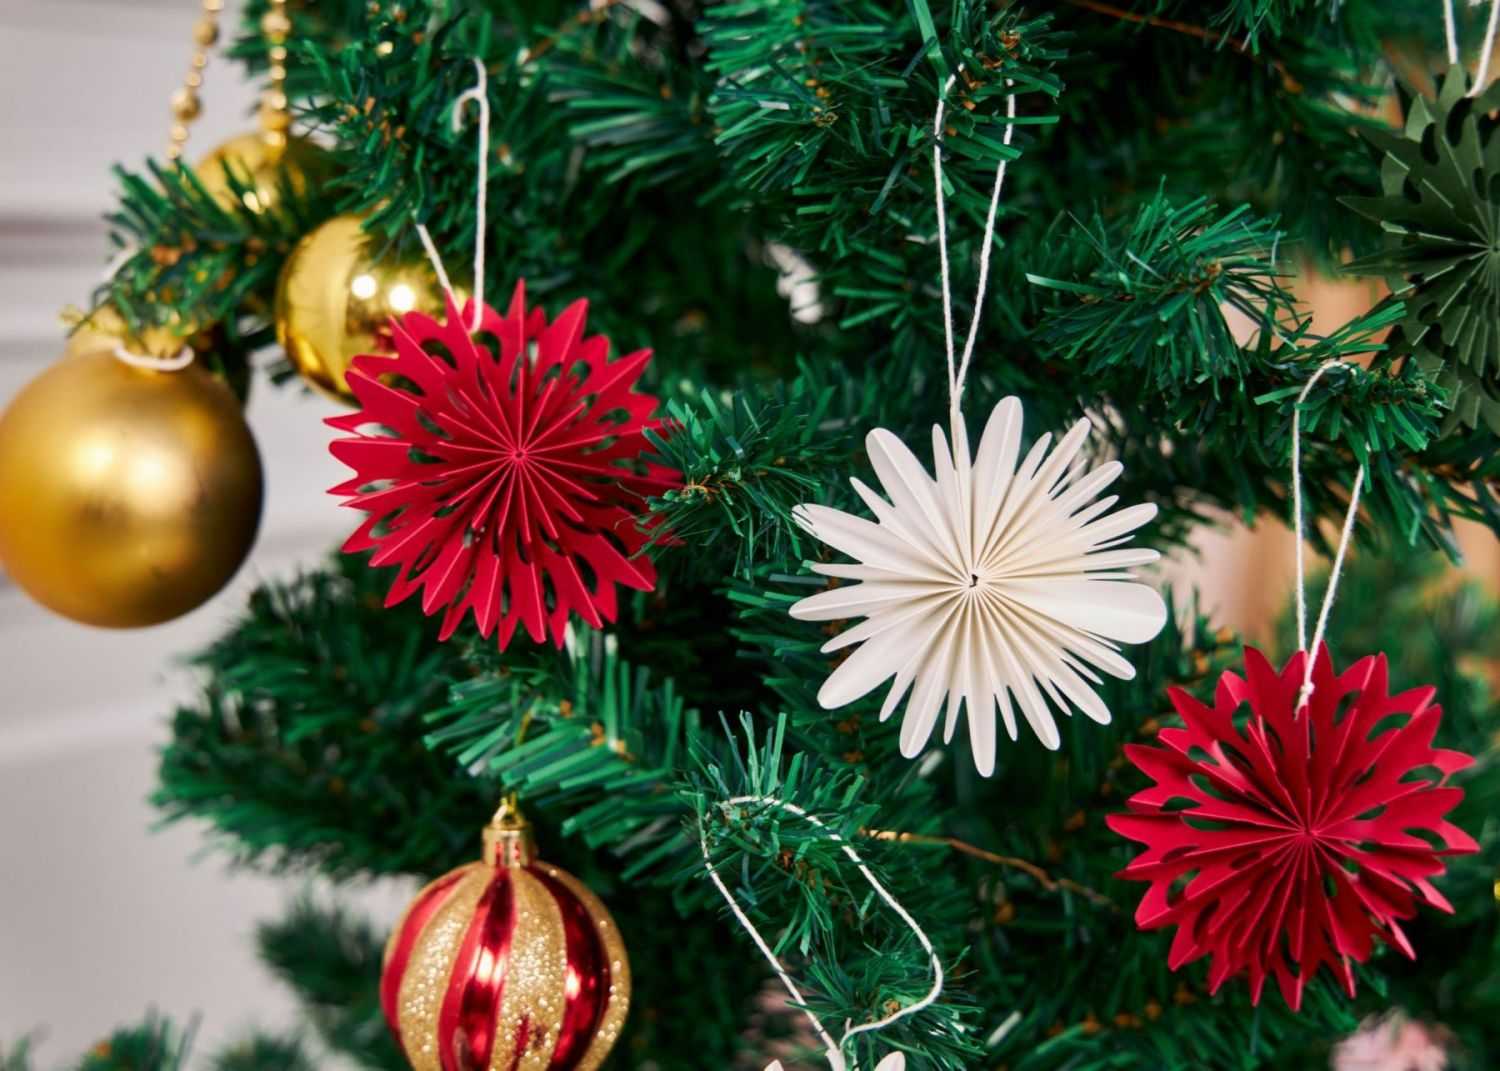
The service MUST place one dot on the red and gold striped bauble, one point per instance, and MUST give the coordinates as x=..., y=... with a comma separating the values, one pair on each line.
x=508, y=964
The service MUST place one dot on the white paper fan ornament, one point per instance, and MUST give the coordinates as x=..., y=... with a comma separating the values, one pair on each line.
x=991, y=583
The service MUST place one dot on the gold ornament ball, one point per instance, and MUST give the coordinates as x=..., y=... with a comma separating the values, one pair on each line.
x=261, y=163
x=127, y=497
x=335, y=300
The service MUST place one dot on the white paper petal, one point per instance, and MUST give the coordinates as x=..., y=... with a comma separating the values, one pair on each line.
x=1116, y=610
x=991, y=581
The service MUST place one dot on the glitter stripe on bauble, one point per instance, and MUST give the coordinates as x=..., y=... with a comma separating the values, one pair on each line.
x=507, y=964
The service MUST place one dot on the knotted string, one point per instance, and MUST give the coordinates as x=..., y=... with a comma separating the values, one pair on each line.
x=833, y=1050
x=957, y=375
x=480, y=95
x=1338, y=561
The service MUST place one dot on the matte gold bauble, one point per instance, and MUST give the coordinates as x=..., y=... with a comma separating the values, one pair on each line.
x=335, y=300
x=261, y=163
x=127, y=497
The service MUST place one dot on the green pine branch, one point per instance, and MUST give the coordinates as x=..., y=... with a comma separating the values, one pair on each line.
x=305, y=751
x=331, y=959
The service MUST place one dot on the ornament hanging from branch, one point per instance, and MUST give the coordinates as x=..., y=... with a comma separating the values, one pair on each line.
x=504, y=483
x=991, y=580
x=508, y=962
x=1311, y=828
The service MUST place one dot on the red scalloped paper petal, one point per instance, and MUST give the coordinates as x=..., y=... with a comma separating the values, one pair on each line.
x=508, y=485
x=1291, y=843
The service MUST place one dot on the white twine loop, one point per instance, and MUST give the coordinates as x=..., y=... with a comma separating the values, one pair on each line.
x=1338, y=561
x=175, y=363
x=480, y=95
x=956, y=376
x=833, y=1050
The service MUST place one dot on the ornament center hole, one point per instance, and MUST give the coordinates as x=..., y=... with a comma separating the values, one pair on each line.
x=973, y=580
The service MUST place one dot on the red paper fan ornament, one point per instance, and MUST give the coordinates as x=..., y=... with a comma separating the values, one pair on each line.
x=510, y=486
x=1304, y=837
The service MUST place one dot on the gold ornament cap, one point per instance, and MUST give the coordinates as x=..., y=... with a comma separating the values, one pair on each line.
x=508, y=841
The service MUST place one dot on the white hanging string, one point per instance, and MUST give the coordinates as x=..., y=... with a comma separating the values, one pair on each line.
x=833, y=1050
x=175, y=363
x=480, y=95
x=1338, y=560
x=1481, y=80
x=1450, y=30
x=957, y=375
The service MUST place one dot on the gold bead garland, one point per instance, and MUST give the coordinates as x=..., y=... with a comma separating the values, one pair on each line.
x=186, y=105
x=275, y=116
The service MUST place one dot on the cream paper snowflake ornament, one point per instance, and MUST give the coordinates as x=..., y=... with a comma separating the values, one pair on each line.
x=990, y=583
x=1001, y=581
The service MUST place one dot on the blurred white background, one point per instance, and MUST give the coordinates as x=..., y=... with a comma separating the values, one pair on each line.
x=100, y=916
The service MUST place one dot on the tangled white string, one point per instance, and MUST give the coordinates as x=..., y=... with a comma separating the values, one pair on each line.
x=479, y=94
x=834, y=1050
x=1338, y=560
x=957, y=375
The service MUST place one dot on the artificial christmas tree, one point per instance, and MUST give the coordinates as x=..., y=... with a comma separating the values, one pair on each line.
x=1093, y=208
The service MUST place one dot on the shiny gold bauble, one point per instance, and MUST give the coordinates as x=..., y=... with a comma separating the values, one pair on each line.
x=127, y=497
x=335, y=301
x=261, y=163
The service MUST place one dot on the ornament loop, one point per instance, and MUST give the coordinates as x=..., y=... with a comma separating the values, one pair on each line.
x=834, y=1051
x=957, y=376
x=1338, y=560
x=479, y=93
x=175, y=363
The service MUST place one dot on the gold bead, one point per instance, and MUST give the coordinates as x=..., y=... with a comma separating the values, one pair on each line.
x=179, y=132
x=206, y=31
x=174, y=151
x=275, y=25
x=385, y=48
x=278, y=73
x=127, y=497
x=213, y=7
x=194, y=80
x=199, y=61
x=277, y=54
x=274, y=98
x=274, y=120
x=186, y=105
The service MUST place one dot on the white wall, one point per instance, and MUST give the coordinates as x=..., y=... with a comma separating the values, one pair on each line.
x=100, y=916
